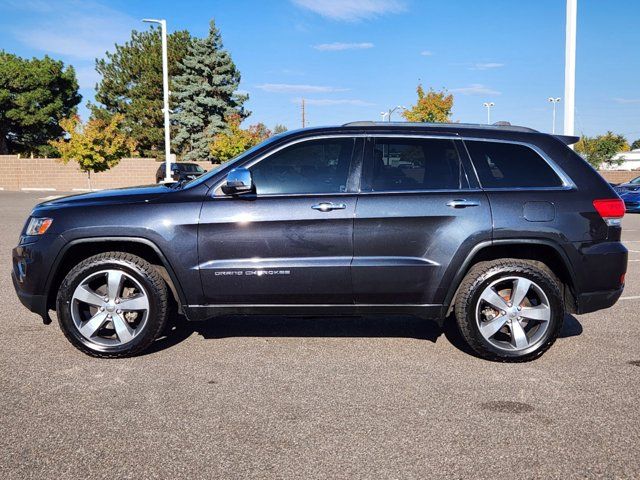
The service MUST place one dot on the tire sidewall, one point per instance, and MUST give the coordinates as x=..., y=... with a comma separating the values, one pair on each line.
x=81, y=272
x=548, y=286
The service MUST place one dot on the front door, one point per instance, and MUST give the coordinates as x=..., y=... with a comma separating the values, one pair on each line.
x=419, y=211
x=290, y=242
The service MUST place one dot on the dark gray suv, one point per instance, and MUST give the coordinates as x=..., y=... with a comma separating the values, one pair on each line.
x=503, y=229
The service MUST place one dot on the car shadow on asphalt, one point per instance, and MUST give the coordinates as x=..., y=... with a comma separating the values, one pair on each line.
x=327, y=327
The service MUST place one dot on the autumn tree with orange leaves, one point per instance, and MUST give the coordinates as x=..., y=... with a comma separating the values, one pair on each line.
x=432, y=107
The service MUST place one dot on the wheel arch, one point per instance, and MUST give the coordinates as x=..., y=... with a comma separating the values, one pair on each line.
x=77, y=250
x=545, y=251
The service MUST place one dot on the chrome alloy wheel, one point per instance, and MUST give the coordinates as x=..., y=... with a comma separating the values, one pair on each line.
x=110, y=308
x=513, y=313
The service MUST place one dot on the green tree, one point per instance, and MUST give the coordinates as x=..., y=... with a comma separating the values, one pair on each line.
x=235, y=140
x=635, y=145
x=34, y=95
x=431, y=107
x=131, y=85
x=602, y=148
x=279, y=128
x=97, y=145
x=205, y=94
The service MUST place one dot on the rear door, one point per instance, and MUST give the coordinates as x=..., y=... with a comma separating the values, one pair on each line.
x=420, y=211
x=292, y=241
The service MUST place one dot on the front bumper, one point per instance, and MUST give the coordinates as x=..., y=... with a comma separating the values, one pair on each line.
x=632, y=207
x=35, y=303
x=32, y=263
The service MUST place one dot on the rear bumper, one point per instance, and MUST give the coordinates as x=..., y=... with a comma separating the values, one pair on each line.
x=590, y=302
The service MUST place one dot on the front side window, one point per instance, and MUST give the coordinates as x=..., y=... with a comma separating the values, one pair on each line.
x=416, y=164
x=510, y=165
x=315, y=166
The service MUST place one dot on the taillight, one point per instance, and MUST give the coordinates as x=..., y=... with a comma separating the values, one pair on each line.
x=611, y=210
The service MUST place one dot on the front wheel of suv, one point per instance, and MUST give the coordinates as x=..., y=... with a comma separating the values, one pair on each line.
x=112, y=305
x=509, y=310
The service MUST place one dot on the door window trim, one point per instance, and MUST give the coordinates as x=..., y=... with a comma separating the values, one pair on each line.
x=567, y=183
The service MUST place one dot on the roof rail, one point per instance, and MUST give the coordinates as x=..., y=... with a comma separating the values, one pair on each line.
x=495, y=126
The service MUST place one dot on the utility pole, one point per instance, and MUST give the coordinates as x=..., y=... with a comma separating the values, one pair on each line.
x=570, y=68
x=303, y=115
x=165, y=91
x=554, y=101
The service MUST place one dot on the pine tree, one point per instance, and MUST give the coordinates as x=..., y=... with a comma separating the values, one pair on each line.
x=131, y=85
x=205, y=94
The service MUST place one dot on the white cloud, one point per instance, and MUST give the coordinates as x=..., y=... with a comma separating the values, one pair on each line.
x=327, y=102
x=426, y=53
x=475, y=89
x=291, y=88
x=626, y=101
x=336, y=46
x=486, y=66
x=351, y=10
x=82, y=30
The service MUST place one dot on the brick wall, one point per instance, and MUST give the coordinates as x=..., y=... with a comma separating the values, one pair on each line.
x=619, y=176
x=51, y=174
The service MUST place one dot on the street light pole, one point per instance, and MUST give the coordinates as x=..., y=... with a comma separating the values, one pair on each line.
x=570, y=68
x=391, y=110
x=554, y=101
x=488, y=106
x=165, y=91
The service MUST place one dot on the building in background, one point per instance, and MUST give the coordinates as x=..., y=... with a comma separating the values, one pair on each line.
x=630, y=161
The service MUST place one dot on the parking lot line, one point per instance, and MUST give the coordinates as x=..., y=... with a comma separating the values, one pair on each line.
x=632, y=297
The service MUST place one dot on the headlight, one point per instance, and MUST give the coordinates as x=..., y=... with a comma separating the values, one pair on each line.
x=37, y=226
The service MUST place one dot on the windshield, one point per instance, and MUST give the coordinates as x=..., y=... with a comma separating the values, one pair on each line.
x=190, y=167
x=222, y=166
x=635, y=181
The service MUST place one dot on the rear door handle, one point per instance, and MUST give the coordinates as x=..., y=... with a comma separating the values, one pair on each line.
x=462, y=203
x=328, y=206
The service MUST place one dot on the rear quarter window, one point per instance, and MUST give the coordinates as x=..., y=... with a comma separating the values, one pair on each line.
x=510, y=165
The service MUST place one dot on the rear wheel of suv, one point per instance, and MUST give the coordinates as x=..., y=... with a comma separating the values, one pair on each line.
x=509, y=310
x=112, y=305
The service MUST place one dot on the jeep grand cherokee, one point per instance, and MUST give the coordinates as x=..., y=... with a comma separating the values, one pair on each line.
x=504, y=226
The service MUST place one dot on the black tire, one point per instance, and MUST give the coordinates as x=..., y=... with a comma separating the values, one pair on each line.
x=144, y=273
x=485, y=274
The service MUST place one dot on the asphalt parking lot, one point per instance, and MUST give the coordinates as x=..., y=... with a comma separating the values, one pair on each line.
x=317, y=398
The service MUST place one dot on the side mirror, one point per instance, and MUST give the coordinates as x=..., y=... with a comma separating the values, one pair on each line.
x=238, y=182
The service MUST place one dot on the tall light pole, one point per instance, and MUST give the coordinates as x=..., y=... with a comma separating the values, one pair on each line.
x=383, y=114
x=554, y=101
x=570, y=68
x=390, y=111
x=165, y=90
x=488, y=106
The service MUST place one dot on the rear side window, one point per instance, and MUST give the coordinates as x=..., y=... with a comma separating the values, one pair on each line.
x=416, y=164
x=509, y=165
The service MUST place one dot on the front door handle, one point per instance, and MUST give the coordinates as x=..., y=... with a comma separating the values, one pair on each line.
x=328, y=206
x=462, y=203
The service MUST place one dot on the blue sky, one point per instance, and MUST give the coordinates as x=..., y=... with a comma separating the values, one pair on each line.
x=352, y=59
